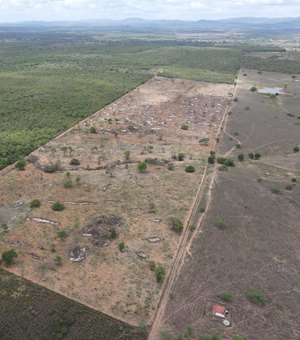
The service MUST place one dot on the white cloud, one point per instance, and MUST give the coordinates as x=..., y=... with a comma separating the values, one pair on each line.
x=11, y=10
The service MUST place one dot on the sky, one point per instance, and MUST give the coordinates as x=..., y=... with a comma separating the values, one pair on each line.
x=53, y=10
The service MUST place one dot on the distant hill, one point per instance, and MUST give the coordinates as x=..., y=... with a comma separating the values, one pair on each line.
x=246, y=24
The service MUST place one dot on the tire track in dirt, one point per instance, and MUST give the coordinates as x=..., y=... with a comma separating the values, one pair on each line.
x=186, y=240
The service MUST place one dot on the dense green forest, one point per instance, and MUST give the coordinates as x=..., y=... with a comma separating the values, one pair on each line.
x=47, y=86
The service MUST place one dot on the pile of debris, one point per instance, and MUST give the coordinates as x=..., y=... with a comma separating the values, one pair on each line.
x=78, y=254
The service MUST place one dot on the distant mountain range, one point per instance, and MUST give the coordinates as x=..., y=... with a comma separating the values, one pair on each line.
x=246, y=24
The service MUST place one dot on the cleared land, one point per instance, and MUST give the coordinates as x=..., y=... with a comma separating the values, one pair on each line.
x=109, y=200
x=257, y=246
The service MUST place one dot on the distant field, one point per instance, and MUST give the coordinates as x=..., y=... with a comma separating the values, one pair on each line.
x=49, y=82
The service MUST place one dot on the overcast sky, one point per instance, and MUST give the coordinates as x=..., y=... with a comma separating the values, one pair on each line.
x=51, y=10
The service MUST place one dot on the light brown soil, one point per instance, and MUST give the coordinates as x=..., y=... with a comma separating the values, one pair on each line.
x=147, y=122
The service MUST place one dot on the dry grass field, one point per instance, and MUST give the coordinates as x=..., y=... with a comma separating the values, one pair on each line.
x=257, y=246
x=108, y=202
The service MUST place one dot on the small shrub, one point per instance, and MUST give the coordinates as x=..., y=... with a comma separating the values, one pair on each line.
x=121, y=246
x=68, y=183
x=20, y=165
x=223, y=168
x=241, y=157
x=152, y=207
x=58, y=260
x=229, y=162
x=170, y=166
x=289, y=187
x=253, y=89
x=221, y=160
x=212, y=159
x=184, y=127
x=275, y=191
x=236, y=99
x=113, y=234
x=127, y=155
x=35, y=203
x=181, y=156
x=57, y=206
x=160, y=273
x=62, y=234
x=78, y=180
x=152, y=265
x=190, y=168
x=296, y=149
x=290, y=114
x=238, y=146
x=256, y=296
x=4, y=226
x=294, y=180
x=93, y=129
x=8, y=257
x=251, y=155
x=142, y=166
x=53, y=249
x=175, y=224
x=239, y=337
x=257, y=155
x=202, y=210
x=50, y=168
x=74, y=161
x=226, y=296
x=192, y=227
x=221, y=224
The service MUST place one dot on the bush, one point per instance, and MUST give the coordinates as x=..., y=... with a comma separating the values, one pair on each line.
x=221, y=160
x=74, y=161
x=253, y=89
x=257, y=155
x=160, y=273
x=276, y=191
x=93, y=129
x=142, y=166
x=8, y=257
x=62, y=234
x=241, y=157
x=221, y=224
x=212, y=159
x=251, y=155
x=113, y=234
x=35, y=203
x=181, y=156
x=294, y=180
x=184, y=127
x=226, y=296
x=229, y=162
x=68, y=183
x=222, y=168
x=57, y=206
x=256, y=296
x=175, y=224
x=20, y=165
x=190, y=168
x=289, y=187
x=127, y=155
x=152, y=265
x=121, y=246
x=170, y=166
x=296, y=149
x=50, y=168
x=58, y=260
x=193, y=227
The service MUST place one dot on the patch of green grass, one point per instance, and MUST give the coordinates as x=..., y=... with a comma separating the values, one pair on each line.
x=221, y=224
x=256, y=296
x=226, y=296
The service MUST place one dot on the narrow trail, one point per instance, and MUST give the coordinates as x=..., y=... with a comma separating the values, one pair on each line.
x=188, y=236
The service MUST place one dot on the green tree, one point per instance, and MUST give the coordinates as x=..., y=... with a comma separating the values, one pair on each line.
x=160, y=273
x=8, y=257
x=20, y=165
x=142, y=166
x=35, y=203
x=58, y=206
x=121, y=246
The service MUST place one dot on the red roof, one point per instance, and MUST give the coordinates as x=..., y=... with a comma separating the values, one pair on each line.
x=219, y=309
